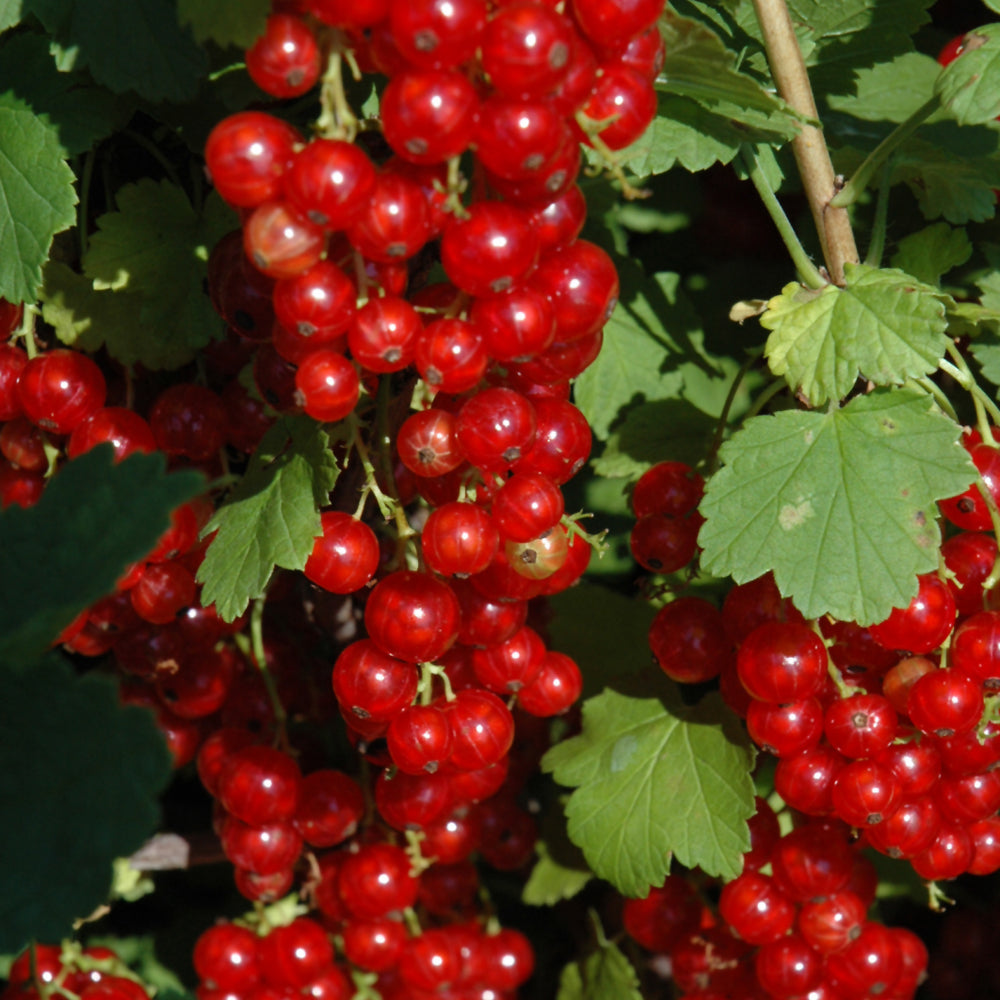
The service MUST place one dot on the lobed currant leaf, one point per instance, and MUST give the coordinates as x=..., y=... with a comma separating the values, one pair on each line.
x=58, y=556
x=883, y=325
x=11, y=12
x=38, y=197
x=654, y=778
x=79, y=780
x=225, y=22
x=596, y=626
x=154, y=249
x=148, y=51
x=840, y=505
x=272, y=517
x=604, y=973
x=932, y=252
x=969, y=87
x=81, y=111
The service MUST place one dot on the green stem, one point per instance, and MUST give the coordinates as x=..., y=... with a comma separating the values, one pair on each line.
x=156, y=153
x=336, y=120
x=940, y=398
x=851, y=191
x=260, y=662
x=764, y=398
x=86, y=176
x=877, y=246
x=720, y=428
x=960, y=371
x=26, y=331
x=808, y=271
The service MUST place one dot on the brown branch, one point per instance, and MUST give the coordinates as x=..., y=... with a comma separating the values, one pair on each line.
x=811, y=154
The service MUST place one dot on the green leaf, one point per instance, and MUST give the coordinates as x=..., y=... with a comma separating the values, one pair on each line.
x=154, y=249
x=272, y=518
x=892, y=90
x=840, y=505
x=226, y=22
x=86, y=319
x=697, y=65
x=605, y=974
x=986, y=350
x=79, y=778
x=560, y=871
x=932, y=252
x=603, y=631
x=11, y=12
x=81, y=111
x=59, y=556
x=652, y=346
x=653, y=432
x=882, y=325
x=654, y=778
x=146, y=50
x=36, y=197
x=969, y=87
x=683, y=133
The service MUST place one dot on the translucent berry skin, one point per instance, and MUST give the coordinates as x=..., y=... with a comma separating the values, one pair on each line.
x=280, y=241
x=328, y=385
x=924, y=624
x=755, y=909
x=664, y=544
x=869, y=965
x=495, y=428
x=419, y=739
x=189, y=420
x=614, y=22
x=482, y=729
x=525, y=49
x=395, y=221
x=689, y=641
x=330, y=807
x=60, y=389
x=413, y=616
x=370, y=684
x=225, y=958
x=330, y=181
x=516, y=325
x=555, y=689
x=659, y=919
x=865, y=793
x=459, y=539
x=562, y=441
x=672, y=488
x=944, y=703
x=526, y=505
x=345, y=556
x=582, y=284
x=429, y=116
x=376, y=880
x=975, y=649
x=12, y=362
x=265, y=850
x=428, y=443
x=787, y=729
x=124, y=429
x=374, y=945
x=627, y=96
x=259, y=785
x=437, y=33
x=247, y=155
x=284, y=61
x=969, y=510
x=860, y=726
x=970, y=557
x=450, y=355
x=788, y=967
x=831, y=923
x=489, y=250
x=516, y=140
x=291, y=957
x=782, y=661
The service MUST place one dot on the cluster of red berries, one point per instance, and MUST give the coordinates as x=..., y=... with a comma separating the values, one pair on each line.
x=94, y=973
x=793, y=924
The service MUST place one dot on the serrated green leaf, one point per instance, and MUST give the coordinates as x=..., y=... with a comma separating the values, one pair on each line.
x=986, y=350
x=932, y=252
x=654, y=432
x=683, y=133
x=697, y=65
x=154, y=249
x=272, y=518
x=605, y=974
x=134, y=45
x=37, y=198
x=654, y=778
x=560, y=871
x=959, y=189
x=603, y=631
x=60, y=556
x=79, y=779
x=969, y=86
x=891, y=90
x=652, y=346
x=226, y=22
x=882, y=325
x=81, y=111
x=87, y=319
x=840, y=505
x=11, y=12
